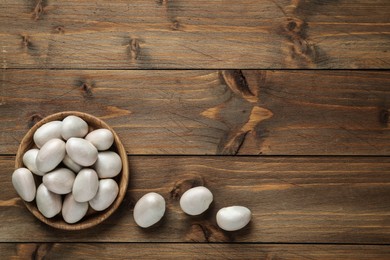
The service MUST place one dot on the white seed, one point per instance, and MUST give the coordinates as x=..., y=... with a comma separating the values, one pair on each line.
x=74, y=126
x=108, y=164
x=85, y=185
x=47, y=132
x=73, y=211
x=149, y=209
x=23, y=182
x=105, y=196
x=81, y=151
x=102, y=139
x=29, y=160
x=59, y=181
x=195, y=201
x=233, y=218
x=50, y=155
x=48, y=203
x=71, y=164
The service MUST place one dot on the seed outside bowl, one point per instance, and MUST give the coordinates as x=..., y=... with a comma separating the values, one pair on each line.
x=92, y=218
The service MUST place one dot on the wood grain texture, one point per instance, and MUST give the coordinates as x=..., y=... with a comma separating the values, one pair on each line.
x=76, y=55
x=247, y=112
x=293, y=200
x=191, y=251
x=195, y=34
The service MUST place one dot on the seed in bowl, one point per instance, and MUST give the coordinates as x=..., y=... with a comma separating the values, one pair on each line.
x=102, y=138
x=108, y=164
x=85, y=185
x=47, y=132
x=73, y=211
x=48, y=203
x=106, y=194
x=50, y=155
x=23, y=182
x=81, y=151
x=29, y=160
x=73, y=126
x=59, y=181
x=71, y=164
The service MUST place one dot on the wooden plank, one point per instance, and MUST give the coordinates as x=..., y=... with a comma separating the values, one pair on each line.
x=195, y=34
x=211, y=112
x=293, y=200
x=191, y=251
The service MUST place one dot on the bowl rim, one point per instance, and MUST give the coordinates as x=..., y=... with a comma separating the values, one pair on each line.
x=28, y=143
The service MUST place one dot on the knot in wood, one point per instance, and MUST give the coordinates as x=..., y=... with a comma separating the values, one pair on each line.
x=162, y=2
x=59, y=29
x=296, y=26
x=38, y=10
x=34, y=118
x=384, y=117
x=26, y=41
x=134, y=49
x=300, y=47
x=175, y=25
x=87, y=90
x=206, y=232
x=188, y=182
x=304, y=48
x=236, y=81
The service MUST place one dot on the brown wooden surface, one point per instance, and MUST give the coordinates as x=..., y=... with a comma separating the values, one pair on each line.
x=249, y=112
x=191, y=251
x=180, y=79
x=195, y=34
x=293, y=200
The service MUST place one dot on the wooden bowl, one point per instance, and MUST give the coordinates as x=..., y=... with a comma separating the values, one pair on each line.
x=92, y=218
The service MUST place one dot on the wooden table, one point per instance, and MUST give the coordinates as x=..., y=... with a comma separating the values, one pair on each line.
x=281, y=106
